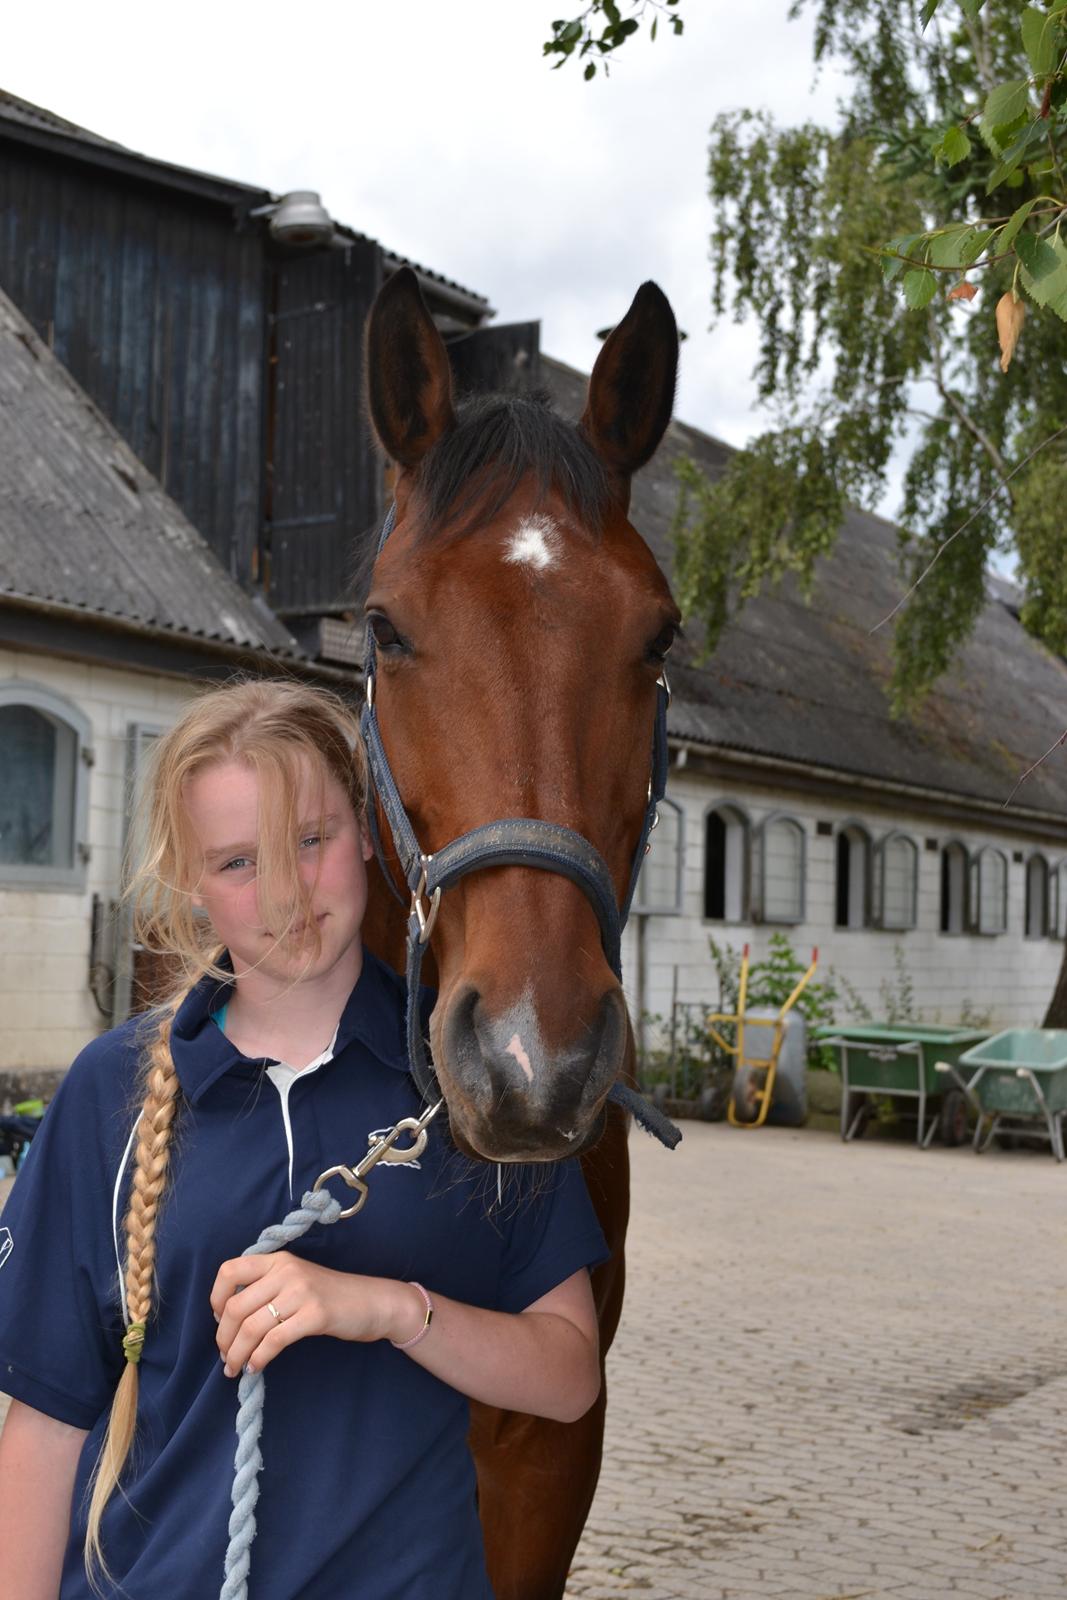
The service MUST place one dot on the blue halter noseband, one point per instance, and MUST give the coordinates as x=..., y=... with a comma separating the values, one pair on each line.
x=512, y=842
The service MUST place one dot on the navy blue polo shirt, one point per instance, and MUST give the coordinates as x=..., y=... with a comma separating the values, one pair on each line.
x=368, y=1486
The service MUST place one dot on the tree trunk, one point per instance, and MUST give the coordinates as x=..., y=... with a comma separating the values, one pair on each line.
x=1056, y=1015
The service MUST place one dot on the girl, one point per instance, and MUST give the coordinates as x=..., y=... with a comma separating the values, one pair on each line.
x=279, y=1052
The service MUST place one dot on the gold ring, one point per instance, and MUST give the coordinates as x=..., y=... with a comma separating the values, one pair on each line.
x=275, y=1313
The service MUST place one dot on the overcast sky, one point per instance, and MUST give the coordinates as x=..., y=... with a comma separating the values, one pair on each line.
x=437, y=127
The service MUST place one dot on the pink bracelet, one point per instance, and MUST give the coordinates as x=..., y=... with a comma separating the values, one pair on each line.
x=406, y=1344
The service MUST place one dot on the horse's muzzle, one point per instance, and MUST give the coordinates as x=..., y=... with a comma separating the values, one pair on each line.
x=512, y=1098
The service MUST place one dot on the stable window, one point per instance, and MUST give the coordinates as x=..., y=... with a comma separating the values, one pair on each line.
x=989, y=891
x=782, y=866
x=1037, y=897
x=659, y=886
x=1058, y=901
x=853, y=891
x=726, y=834
x=897, y=870
x=44, y=750
x=953, y=888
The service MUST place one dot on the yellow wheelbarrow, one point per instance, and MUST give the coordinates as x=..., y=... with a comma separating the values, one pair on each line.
x=756, y=1073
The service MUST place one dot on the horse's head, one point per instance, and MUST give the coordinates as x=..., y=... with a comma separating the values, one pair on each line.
x=521, y=625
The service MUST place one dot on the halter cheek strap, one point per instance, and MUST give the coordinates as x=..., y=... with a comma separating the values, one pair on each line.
x=511, y=842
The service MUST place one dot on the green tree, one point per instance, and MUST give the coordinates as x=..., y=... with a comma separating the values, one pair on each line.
x=890, y=262
x=600, y=29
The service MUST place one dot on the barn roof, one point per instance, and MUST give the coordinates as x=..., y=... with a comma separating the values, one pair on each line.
x=41, y=126
x=83, y=525
x=807, y=683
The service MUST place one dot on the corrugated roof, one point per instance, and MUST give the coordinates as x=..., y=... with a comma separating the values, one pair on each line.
x=82, y=523
x=807, y=683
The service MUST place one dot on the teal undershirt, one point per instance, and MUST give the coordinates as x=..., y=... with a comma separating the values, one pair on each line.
x=219, y=1017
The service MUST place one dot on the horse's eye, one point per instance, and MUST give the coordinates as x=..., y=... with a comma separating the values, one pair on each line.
x=385, y=635
x=662, y=642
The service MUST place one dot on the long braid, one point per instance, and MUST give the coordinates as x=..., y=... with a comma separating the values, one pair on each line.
x=152, y=1159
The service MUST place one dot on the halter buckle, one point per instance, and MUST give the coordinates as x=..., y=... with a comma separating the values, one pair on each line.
x=370, y=691
x=665, y=683
x=426, y=916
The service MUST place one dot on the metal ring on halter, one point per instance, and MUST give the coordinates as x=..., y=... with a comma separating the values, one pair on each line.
x=425, y=918
x=665, y=682
x=352, y=1181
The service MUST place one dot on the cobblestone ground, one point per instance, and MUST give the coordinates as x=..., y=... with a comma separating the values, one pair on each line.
x=841, y=1374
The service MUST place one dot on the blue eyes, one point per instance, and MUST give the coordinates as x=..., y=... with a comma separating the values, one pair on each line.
x=239, y=862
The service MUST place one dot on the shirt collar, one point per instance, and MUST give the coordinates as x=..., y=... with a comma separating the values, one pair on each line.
x=374, y=1016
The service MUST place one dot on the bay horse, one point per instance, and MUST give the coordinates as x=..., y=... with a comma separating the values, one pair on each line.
x=520, y=625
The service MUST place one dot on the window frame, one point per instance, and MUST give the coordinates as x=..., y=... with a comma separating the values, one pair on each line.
x=879, y=859
x=976, y=893
x=638, y=909
x=853, y=824
x=965, y=918
x=1046, y=908
x=139, y=738
x=744, y=821
x=768, y=822
x=52, y=879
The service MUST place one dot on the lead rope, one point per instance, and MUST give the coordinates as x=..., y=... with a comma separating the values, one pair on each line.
x=317, y=1205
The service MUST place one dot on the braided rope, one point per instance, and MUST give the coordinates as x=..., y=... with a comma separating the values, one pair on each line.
x=315, y=1206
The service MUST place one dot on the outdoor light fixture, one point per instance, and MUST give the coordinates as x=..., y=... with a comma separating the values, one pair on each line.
x=299, y=218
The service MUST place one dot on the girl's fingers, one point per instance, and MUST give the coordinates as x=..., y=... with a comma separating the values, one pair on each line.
x=261, y=1337
x=238, y=1272
x=249, y=1303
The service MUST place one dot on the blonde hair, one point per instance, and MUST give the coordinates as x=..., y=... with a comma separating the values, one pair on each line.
x=273, y=727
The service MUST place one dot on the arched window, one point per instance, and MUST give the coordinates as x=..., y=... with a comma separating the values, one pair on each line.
x=43, y=796
x=1037, y=897
x=1058, y=900
x=897, y=873
x=954, y=887
x=989, y=891
x=853, y=888
x=659, y=886
x=782, y=869
x=726, y=889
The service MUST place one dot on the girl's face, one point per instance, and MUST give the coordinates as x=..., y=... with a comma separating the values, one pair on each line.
x=222, y=804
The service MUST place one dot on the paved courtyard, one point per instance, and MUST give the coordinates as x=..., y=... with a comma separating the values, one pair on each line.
x=842, y=1373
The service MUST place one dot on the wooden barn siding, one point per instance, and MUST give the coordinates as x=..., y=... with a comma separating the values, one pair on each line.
x=156, y=307
x=323, y=476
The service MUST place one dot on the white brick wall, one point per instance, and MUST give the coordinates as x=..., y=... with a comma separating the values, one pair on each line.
x=46, y=1010
x=1008, y=976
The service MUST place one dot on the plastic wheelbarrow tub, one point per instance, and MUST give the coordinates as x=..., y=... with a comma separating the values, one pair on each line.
x=1017, y=1083
x=912, y=1061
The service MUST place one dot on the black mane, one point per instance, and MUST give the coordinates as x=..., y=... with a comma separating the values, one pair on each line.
x=498, y=440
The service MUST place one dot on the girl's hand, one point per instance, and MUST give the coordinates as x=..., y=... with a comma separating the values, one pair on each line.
x=309, y=1299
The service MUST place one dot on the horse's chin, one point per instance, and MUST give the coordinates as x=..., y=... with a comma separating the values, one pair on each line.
x=480, y=1143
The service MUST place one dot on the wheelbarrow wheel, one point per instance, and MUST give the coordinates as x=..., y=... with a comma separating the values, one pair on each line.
x=953, y=1125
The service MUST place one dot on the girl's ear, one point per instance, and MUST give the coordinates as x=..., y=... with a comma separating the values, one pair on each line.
x=365, y=839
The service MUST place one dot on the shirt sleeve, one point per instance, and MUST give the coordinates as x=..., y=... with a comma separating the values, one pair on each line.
x=553, y=1233
x=60, y=1310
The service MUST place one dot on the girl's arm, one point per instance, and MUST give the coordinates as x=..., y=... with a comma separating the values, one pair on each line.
x=38, y=1460
x=544, y=1361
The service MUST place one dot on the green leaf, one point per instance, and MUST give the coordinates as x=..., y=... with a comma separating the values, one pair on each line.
x=590, y=71
x=1004, y=104
x=946, y=246
x=1014, y=223
x=955, y=147
x=611, y=11
x=1037, y=256
x=919, y=288
x=976, y=245
x=929, y=7
x=971, y=8
x=1033, y=134
x=1050, y=290
x=1038, y=40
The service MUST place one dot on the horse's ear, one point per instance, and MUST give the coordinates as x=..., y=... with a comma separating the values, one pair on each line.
x=631, y=391
x=409, y=378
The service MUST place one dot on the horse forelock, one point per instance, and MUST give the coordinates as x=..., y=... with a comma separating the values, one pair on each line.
x=498, y=443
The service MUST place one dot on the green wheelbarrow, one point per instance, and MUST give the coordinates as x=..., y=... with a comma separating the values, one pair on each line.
x=902, y=1062
x=1016, y=1083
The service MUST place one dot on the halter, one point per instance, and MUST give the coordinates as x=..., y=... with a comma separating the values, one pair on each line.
x=512, y=842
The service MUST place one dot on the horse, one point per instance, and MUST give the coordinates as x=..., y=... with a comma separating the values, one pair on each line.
x=519, y=628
